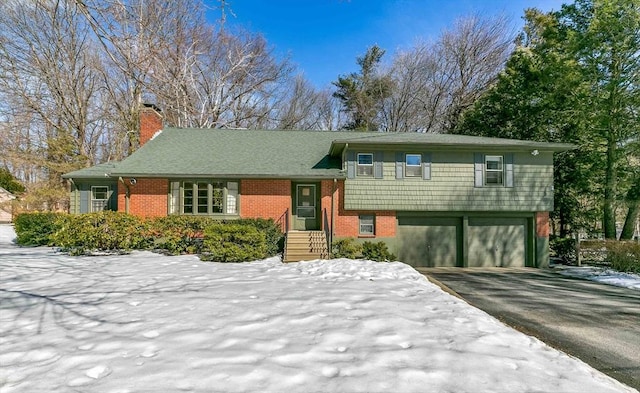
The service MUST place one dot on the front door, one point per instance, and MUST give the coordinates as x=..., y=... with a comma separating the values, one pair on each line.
x=305, y=207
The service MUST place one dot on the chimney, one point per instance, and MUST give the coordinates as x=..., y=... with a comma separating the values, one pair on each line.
x=150, y=122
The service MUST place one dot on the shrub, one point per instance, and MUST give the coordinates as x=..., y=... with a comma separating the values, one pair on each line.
x=103, y=231
x=346, y=248
x=178, y=234
x=377, y=252
x=233, y=242
x=35, y=229
x=271, y=230
x=624, y=256
x=563, y=248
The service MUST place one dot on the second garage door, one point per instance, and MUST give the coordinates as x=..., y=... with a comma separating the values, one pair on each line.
x=497, y=242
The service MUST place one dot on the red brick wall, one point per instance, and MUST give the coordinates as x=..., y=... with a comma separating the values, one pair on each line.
x=542, y=224
x=347, y=222
x=260, y=199
x=150, y=123
x=265, y=198
x=148, y=197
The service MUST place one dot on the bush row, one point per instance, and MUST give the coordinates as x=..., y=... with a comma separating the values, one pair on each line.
x=348, y=248
x=224, y=241
x=622, y=256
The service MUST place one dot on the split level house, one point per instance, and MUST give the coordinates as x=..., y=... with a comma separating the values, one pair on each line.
x=434, y=199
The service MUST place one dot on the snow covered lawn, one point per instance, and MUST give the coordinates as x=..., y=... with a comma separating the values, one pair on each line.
x=603, y=275
x=149, y=323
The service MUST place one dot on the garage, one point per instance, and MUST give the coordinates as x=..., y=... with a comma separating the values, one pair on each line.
x=497, y=242
x=466, y=241
x=429, y=241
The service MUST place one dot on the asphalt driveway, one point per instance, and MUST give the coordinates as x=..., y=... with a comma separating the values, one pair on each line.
x=597, y=323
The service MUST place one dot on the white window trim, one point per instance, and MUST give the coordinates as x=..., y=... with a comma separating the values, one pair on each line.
x=358, y=165
x=373, y=224
x=419, y=166
x=93, y=199
x=502, y=171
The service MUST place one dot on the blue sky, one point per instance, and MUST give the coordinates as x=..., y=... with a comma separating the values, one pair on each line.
x=324, y=37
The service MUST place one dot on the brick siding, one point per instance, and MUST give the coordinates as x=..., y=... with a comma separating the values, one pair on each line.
x=268, y=198
x=347, y=223
x=148, y=197
x=542, y=224
x=150, y=123
x=265, y=198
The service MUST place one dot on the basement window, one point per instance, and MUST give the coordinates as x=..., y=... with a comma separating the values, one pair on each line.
x=367, y=225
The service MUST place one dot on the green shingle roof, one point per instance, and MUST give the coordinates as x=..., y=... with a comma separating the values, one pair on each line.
x=444, y=140
x=177, y=152
x=187, y=152
x=97, y=171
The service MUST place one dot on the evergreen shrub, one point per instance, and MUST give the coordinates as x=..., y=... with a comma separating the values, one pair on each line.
x=563, y=248
x=624, y=256
x=178, y=234
x=35, y=229
x=105, y=231
x=272, y=232
x=346, y=248
x=233, y=242
x=377, y=252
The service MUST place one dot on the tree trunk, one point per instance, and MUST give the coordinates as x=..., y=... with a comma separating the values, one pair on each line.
x=633, y=199
x=609, y=219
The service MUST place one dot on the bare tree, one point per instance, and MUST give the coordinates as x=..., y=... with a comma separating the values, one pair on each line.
x=436, y=81
x=220, y=79
x=48, y=87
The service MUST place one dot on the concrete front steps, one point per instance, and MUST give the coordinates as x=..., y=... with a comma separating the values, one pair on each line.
x=305, y=246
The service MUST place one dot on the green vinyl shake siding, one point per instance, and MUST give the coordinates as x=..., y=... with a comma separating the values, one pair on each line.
x=452, y=184
x=80, y=198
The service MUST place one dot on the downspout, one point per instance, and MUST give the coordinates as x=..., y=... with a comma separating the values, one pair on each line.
x=333, y=212
x=71, y=185
x=127, y=194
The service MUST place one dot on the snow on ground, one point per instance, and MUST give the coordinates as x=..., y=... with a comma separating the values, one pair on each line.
x=151, y=323
x=603, y=275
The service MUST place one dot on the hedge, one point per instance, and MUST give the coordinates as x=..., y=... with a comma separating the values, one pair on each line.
x=178, y=234
x=35, y=229
x=233, y=242
x=105, y=231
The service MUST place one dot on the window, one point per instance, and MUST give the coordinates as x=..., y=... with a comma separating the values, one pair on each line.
x=413, y=165
x=306, y=201
x=99, y=198
x=365, y=164
x=204, y=197
x=494, y=170
x=367, y=225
